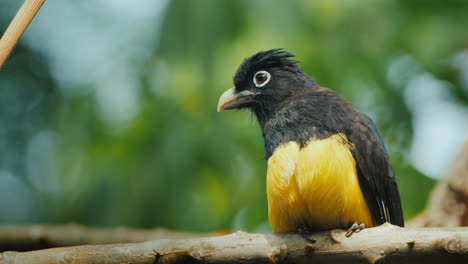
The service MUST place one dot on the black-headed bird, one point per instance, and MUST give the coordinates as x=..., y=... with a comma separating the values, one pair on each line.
x=327, y=165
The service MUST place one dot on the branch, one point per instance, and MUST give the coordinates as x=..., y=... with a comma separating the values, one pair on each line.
x=448, y=203
x=17, y=27
x=386, y=243
x=33, y=237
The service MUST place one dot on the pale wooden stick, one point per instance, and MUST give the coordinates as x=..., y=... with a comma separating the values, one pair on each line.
x=382, y=244
x=17, y=27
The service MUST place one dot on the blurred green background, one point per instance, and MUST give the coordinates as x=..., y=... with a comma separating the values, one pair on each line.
x=108, y=108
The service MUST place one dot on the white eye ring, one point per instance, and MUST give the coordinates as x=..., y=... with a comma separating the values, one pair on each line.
x=261, y=84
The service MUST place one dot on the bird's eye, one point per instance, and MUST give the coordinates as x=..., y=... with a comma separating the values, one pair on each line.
x=261, y=78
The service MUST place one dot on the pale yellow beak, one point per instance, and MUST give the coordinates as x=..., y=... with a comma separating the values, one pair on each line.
x=232, y=100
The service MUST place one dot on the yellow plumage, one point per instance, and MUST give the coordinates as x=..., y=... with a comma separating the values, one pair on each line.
x=316, y=185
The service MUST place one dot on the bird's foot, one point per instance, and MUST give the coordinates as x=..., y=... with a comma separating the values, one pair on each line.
x=355, y=228
x=306, y=233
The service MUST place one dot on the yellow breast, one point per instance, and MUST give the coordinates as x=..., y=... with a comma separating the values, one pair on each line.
x=315, y=186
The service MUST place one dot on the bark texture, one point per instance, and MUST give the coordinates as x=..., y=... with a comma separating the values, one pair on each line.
x=383, y=244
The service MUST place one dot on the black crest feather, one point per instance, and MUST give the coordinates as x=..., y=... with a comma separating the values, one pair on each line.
x=264, y=60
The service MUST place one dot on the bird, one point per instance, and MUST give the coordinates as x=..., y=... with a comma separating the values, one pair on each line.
x=327, y=166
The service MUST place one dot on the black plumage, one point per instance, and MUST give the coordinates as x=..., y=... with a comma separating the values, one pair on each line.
x=293, y=107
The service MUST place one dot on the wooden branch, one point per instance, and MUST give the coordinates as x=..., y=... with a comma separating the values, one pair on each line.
x=17, y=27
x=383, y=244
x=448, y=203
x=33, y=237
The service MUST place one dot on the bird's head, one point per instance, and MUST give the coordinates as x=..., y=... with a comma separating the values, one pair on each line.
x=263, y=81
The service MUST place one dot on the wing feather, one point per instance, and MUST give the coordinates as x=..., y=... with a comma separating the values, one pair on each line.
x=376, y=176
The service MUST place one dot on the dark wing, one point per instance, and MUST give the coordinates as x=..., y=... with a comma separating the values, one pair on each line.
x=376, y=176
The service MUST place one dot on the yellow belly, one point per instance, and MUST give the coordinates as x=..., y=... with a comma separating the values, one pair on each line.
x=316, y=186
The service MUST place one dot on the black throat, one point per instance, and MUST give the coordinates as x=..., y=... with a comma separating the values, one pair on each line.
x=314, y=114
